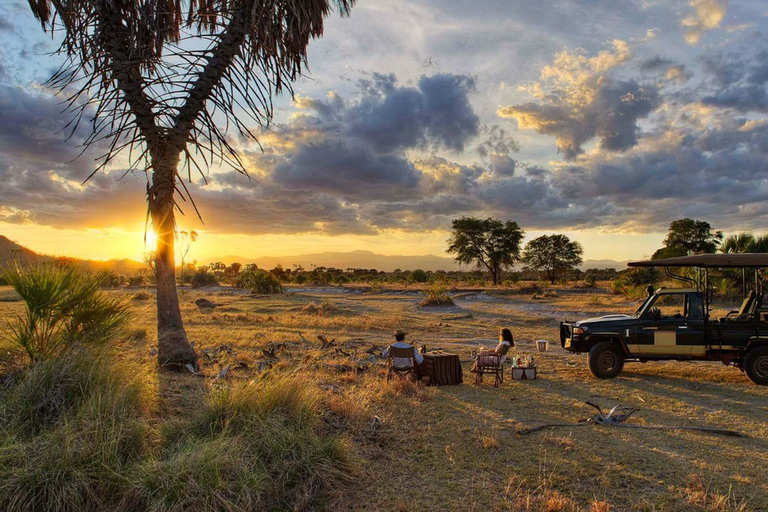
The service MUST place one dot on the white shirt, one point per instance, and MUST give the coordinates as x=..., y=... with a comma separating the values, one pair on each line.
x=403, y=362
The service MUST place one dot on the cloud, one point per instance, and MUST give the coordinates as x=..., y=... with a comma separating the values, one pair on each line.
x=578, y=100
x=708, y=15
x=738, y=81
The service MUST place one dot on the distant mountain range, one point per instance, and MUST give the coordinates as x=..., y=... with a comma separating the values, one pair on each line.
x=10, y=250
x=368, y=259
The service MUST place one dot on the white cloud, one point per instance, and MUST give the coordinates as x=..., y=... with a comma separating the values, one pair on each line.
x=708, y=15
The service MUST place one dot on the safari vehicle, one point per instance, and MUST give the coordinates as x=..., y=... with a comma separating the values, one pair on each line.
x=676, y=323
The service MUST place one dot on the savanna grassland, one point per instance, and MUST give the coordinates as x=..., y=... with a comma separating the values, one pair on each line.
x=401, y=446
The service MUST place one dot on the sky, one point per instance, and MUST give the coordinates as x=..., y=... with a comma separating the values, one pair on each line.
x=603, y=120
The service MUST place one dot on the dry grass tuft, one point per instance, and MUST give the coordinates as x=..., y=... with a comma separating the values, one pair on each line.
x=698, y=494
x=489, y=442
x=141, y=295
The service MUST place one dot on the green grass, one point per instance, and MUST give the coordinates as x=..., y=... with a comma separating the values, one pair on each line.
x=83, y=433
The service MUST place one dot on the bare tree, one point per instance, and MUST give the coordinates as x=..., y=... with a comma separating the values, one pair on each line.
x=153, y=77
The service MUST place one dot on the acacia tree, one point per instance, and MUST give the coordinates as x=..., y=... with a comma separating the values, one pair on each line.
x=165, y=79
x=552, y=253
x=487, y=243
x=688, y=236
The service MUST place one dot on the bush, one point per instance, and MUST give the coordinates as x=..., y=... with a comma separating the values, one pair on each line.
x=65, y=306
x=590, y=281
x=419, y=276
x=110, y=279
x=436, y=296
x=79, y=433
x=137, y=280
x=203, y=277
x=250, y=447
x=71, y=429
x=258, y=281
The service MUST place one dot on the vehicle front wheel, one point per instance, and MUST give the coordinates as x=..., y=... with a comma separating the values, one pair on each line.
x=756, y=365
x=606, y=360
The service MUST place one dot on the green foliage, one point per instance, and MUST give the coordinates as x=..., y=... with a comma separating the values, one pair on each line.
x=689, y=236
x=590, y=281
x=70, y=430
x=65, y=306
x=110, y=279
x=488, y=243
x=203, y=277
x=641, y=276
x=555, y=254
x=436, y=296
x=634, y=282
x=419, y=276
x=249, y=447
x=745, y=242
x=80, y=433
x=258, y=281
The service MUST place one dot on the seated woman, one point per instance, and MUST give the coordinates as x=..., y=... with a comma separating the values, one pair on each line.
x=490, y=357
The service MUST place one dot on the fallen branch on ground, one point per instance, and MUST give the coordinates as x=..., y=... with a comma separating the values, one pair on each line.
x=619, y=414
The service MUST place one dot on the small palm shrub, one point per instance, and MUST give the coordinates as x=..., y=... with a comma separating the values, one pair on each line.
x=65, y=307
x=436, y=296
x=258, y=281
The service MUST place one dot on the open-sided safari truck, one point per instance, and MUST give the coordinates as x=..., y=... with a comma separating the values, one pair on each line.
x=676, y=323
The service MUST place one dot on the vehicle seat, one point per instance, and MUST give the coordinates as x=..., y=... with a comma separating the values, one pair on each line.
x=745, y=310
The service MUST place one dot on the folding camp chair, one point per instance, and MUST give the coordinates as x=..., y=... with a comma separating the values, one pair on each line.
x=406, y=362
x=491, y=364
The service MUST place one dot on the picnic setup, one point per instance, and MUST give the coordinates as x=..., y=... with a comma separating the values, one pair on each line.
x=441, y=368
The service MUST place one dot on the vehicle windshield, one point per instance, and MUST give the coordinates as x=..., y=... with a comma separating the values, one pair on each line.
x=639, y=310
x=673, y=305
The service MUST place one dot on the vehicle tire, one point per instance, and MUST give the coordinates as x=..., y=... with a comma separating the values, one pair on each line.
x=756, y=365
x=606, y=360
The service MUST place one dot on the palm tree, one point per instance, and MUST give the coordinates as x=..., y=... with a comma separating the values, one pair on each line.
x=741, y=242
x=150, y=75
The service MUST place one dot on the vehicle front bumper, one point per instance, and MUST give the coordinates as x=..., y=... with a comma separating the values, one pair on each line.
x=569, y=341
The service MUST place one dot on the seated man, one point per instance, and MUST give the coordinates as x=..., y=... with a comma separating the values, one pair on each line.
x=488, y=357
x=401, y=362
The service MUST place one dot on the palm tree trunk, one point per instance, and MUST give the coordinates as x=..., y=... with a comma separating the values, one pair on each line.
x=173, y=348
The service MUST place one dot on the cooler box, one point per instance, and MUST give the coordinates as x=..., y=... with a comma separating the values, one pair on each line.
x=523, y=373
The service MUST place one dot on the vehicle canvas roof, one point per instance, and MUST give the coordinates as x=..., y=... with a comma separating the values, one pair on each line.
x=742, y=260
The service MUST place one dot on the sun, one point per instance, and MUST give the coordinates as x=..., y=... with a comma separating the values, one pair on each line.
x=149, y=241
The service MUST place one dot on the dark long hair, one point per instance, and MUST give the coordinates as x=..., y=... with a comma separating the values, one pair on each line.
x=506, y=335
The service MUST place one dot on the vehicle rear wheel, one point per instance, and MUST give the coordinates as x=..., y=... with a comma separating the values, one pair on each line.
x=606, y=360
x=756, y=365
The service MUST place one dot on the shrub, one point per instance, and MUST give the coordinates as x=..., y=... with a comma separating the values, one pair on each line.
x=79, y=433
x=203, y=277
x=137, y=280
x=110, y=279
x=249, y=447
x=419, y=276
x=70, y=431
x=325, y=308
x=141, y=295
x=64, y=307
x=436, y=296
x=590, y=281
x=258, y=281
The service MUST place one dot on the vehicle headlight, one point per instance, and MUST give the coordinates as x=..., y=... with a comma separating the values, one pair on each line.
x=578, y=330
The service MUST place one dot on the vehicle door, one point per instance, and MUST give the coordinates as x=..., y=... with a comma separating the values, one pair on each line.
x=675, y=329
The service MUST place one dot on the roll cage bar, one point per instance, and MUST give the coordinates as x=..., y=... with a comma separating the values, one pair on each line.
x=703, y=262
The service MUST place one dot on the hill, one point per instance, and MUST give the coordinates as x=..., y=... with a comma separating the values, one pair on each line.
x=11, y=251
